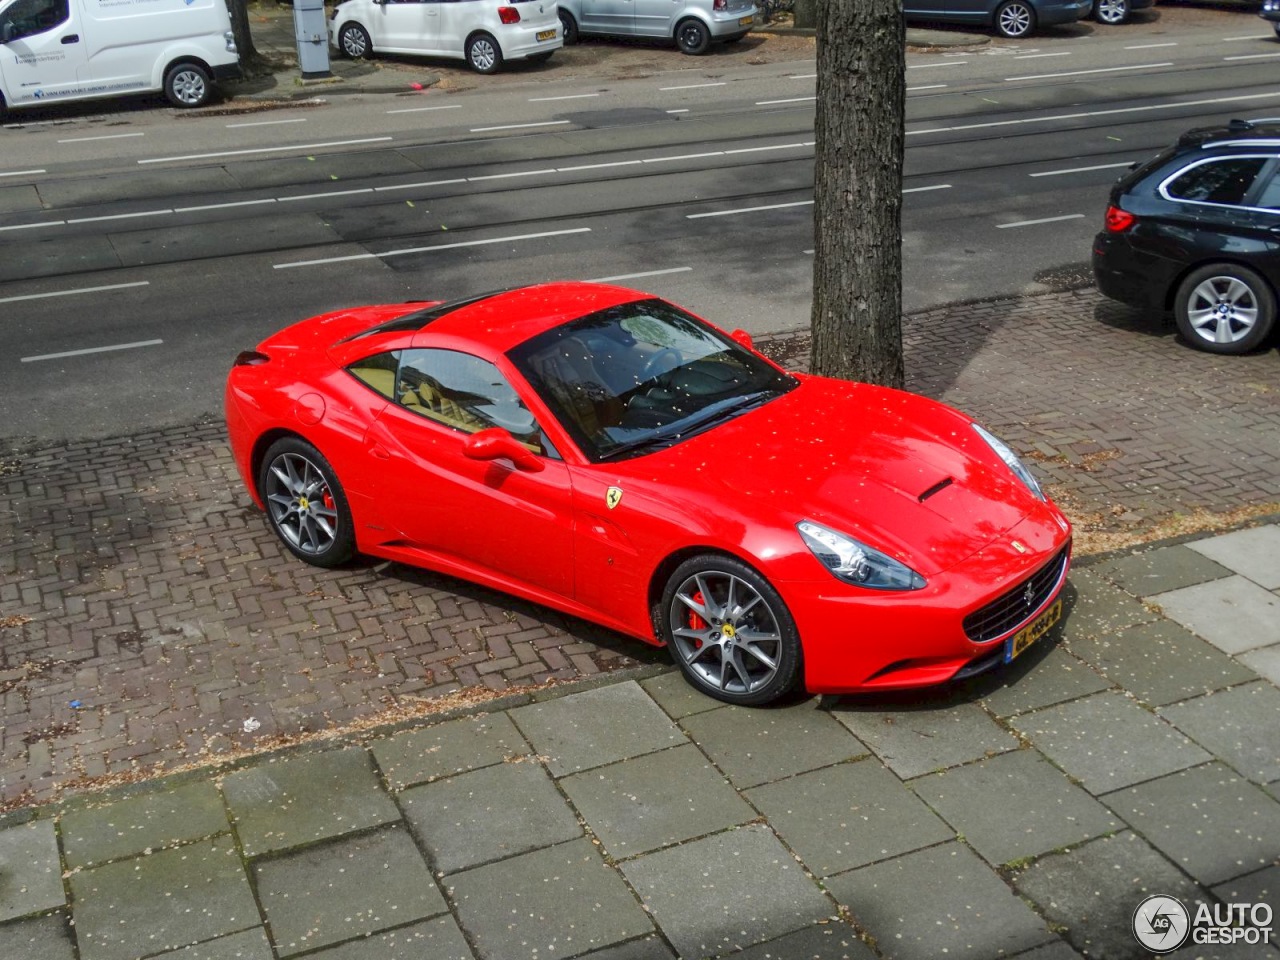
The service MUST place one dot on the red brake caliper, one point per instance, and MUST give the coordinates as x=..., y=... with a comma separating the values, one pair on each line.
x=695, y=621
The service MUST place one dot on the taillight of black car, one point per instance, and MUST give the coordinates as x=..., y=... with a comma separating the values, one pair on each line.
x=1118, y=221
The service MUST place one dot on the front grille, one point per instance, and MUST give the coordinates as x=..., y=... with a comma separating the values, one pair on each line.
x=1015, y=606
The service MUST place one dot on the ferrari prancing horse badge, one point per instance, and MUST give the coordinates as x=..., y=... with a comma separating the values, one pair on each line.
x=612, y=496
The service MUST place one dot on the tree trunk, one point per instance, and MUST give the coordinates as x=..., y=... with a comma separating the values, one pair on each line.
x=249, y=56
x=857, y=268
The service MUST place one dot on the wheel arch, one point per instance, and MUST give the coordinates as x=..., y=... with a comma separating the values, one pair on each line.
x=175, y=60
x=693, y=14
x=667, y=566
x=466, y=41
x=259, y=453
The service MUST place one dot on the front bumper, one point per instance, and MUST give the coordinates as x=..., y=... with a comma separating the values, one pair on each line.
x=1067, y=11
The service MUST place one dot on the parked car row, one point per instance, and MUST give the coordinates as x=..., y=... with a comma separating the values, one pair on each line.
x=1020, y=18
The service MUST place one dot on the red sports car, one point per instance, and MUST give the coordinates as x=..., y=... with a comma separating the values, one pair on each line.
x=606, y=453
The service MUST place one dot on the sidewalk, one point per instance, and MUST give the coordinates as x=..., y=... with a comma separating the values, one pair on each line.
x=1023, y=814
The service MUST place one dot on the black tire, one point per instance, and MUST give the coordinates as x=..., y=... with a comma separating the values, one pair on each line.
x=483, y=53
x=354, y=42
x=1015, y=19
x=568, y=27
x=540, y=57
x=1111, y=12
x=748, y=658
x=1224, y=308
x=1277, y=26
x=693, y=37
x=306, y=505
x=187, y=85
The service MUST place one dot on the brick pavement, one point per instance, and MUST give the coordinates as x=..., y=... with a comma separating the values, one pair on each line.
x=146, y=613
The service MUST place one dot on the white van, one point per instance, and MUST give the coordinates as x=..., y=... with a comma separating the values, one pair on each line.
x=53, y=50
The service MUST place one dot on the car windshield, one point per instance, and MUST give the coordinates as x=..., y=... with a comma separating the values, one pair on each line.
x=643, y=375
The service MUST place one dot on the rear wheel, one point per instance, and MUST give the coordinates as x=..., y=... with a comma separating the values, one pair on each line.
x=354, y=42
x=693, y=37
x=1224, y=308
x=568, y=27
x=187, y=85
x=483, y=54
x=1015, y=19
x=305, y=503
x=1111, y=12
x=729, y=631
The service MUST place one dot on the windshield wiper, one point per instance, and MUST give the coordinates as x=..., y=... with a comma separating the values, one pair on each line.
x=666, y=436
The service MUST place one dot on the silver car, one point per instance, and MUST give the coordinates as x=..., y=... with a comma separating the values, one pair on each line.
x=693, y=24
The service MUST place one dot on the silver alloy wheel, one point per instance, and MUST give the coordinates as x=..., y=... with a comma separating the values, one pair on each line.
x=1015, y=20
x=725, y=632
x=354, y=44
x=483, y=54
x=1222, y=309
x=188, y=86
x=301, y=504
x=1111, y=11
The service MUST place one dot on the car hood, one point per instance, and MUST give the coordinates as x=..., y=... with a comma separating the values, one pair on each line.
x=902, y=473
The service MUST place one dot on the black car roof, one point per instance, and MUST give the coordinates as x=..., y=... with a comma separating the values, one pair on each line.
x=1235, y=133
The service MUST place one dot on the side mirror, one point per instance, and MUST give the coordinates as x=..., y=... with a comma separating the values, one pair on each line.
x=496, y=444
x=742, y=338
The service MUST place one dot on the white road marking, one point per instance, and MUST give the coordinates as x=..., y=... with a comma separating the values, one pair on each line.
x=936, y=186
x=730, y=213
x=1096, y=113
x=1031, y=223
x=443, y=106
x=1151, y=46
x=1254, y=56
x=1036, y=56
x=82, y=353
x=503, y=176
x=574, y=96
x=122, y=216
x=265, y=123
x=927, y=86
x=803, y=76
x=1081, y=73
x=926, y=66
x=598, y=166
x=1099, y=166
x=521, y=126
x=238, y=153
x=637, y=276
x=684, y=156
x=431, y=249
x=692, y=86
x=224, y=206
x=769, y=103
x=1250, y=37
x=415, y=186
x=29, y=226
x=686, y=110
x=21, y=173
x=70, y=293
x=326, y=195
x=112, y=136
x=779, y=146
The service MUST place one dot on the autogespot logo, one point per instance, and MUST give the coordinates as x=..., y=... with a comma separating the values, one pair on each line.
x=1161, y=924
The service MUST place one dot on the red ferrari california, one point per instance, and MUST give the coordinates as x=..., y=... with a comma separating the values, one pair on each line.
x=606, y=453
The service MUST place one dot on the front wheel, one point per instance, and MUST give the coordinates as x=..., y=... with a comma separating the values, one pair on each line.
x=568, y=27
x=1015, y=19
x=729, y=631
x=1224, y=308
x=187, y=85
x=693, y=37
x=306, y=505
x=1111, y=12
x=354, y=42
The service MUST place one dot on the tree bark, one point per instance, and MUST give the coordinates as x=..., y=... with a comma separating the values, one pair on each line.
x=249, y=56
x=859, y=136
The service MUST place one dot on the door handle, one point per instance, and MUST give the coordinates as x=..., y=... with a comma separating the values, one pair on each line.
x=1274, y=230
x=71, y=38
x=378, y=451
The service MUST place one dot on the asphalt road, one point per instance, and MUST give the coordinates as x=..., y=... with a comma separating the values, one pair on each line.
x=140, y=250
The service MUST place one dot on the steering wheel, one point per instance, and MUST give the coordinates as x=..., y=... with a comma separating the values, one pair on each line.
x=654, y=365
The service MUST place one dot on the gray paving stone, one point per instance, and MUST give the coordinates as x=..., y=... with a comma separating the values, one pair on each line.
x=446, y=749
x=848, y=815
x=963, y=907
x=1107, y=741
x=1252, y=553
x=1148, y=572
x=305, y=798
x=489, y=814
x=32, y=849
x=754, y=746
x=1015, y=805
x=560, y=901
x=648, y=802
x=1162, y=662
x=1095, y=608
x=1264, y=661
x=130, y=826
x=246, y=945
x=590, y=729
x=1208, y=821
x=914, y=742
x=726, y=892
x=1234, y=614
x=167, y=900
x=42, y=938
x=1031, y=682
x=824, y=941
x=674, y=694
x=438, y=939
x=1260, y=887
x=1092, y=891
x=1240, y=726
x=646, y=948
x=348, y=888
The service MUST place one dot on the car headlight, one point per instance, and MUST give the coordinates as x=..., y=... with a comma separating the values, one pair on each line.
x=1011, y=460
x=855, y=562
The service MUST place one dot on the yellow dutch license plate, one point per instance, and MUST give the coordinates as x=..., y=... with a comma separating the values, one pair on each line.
x=746, y=21
x=546, y=34
x=1033, y=631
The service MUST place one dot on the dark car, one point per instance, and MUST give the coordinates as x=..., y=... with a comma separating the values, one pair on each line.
x=1112, y=12
x=1196, y=230
x=1271, y=11
x=1010, y=18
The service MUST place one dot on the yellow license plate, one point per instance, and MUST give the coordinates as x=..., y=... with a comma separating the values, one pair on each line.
x=546, y=34
x=746, y=21
x=1034, y=630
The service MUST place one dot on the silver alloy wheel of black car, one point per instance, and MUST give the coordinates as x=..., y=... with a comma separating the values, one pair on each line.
x=1111, y=12
x=693, y=37
x=1224, y=308
x=187, y=85
x=1015, y=19
x=483, y=54
x=729, y=631
x=354, y=41
x=306, y=505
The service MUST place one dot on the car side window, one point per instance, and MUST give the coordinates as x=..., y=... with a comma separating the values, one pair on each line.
x=1224, y=181
x=1270, y=195
x=26, y=18
x=378, y=372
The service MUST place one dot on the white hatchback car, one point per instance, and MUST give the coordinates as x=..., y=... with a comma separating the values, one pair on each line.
x=485, y=33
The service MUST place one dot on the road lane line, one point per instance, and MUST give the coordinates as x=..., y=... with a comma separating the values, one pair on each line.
x=327, y=195
x=769, y=103
x=936, y=186
x=779, y=146
x=30, y=226
x=1254, y=56
x=1031, y=223
x=83, y=353
x=1081, y=73
x=574, y=96
x=1151, y=46
x=684, y=156
x=598, y=166
x=637, y=276
x=416, y=186
x=122, y=216
x=691, y=86
x=502, y=176
x=265, y=123
x=1036, y=56
x=521, y=126
x=111, y=136
x=926, y=66
x=70, y=293
x=685, y=110
x=1099, y=166
x=239, y=153
x=730, y=213
x=1251, y=37
x=431, y=249
x=927, y=86
x=21, y=173
x=803, y=76
x=224, y=206
x=443, y=106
